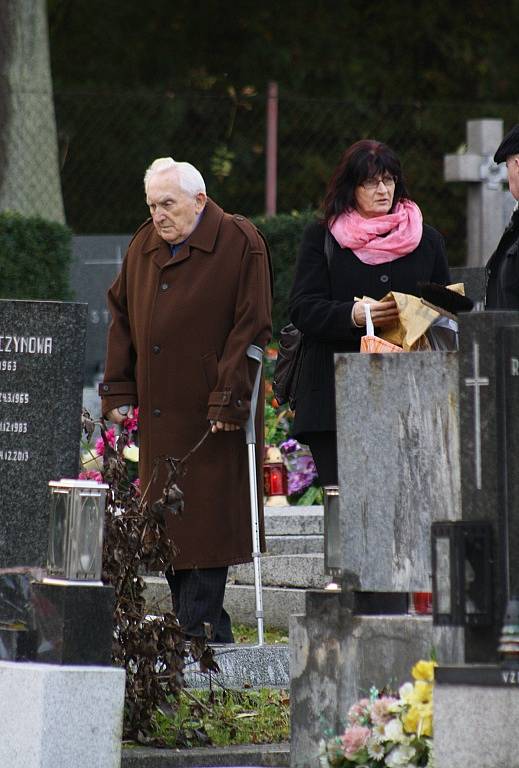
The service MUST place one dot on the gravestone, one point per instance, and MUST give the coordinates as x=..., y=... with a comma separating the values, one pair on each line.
x=489, y=207
x=489, y=399
x=42, y=346
x=398, y=457
x=96, y=262
x=399, y=469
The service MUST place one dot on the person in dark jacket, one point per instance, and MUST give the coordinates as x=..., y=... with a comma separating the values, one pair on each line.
x=193, y=293
x=377, y=243
x=503, y=266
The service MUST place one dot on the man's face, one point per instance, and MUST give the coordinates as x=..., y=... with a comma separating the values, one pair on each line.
x=173, y=211
x=512, y=166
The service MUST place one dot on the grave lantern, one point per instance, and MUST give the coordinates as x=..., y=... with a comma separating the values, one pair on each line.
x=462, y=573
x=275, y=478
x=76, y=530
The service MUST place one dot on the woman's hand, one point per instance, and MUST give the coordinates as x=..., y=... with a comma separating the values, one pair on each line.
x=383, y=313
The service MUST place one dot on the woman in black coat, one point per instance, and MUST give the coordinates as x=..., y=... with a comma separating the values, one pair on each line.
x=376, y=243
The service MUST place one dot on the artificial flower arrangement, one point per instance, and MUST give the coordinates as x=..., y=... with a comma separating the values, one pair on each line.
x=387, y=731
x=303, y=487
x=92, y=458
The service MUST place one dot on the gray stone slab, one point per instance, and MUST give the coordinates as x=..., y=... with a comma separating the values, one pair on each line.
x=42, y=348
x=304, y=571
x=400, y=414
x=96, y=261
x=244, y=667
x=278, y=604
x=294, y=545
x=59, y=717
x=240, y=602
x=261, y=755
x=475, y=726
x=295, y=520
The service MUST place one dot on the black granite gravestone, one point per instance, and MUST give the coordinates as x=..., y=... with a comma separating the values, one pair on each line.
x=489, y=411
x=42, y=347
x=96, y=261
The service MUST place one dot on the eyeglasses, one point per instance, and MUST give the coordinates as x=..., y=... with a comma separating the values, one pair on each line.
x=371, y=184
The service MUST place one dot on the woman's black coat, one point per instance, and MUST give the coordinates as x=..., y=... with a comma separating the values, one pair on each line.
x=321, y=304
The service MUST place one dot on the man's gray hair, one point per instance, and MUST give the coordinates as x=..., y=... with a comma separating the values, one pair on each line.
x=189, y=178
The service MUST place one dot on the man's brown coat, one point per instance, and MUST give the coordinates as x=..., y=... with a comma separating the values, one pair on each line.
x=177, y=347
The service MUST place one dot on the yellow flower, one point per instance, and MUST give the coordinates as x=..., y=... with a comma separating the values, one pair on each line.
x=424, y=670
x=418, y=719
x=422, y=691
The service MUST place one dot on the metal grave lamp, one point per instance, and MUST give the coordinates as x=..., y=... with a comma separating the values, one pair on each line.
x=76, y=530
x=462, y=573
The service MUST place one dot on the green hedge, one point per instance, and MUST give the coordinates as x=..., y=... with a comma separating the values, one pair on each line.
x=35, y=258
x=283, y=234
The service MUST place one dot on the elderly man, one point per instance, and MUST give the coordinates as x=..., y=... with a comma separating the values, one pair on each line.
x=193, y=293
x=503, y=266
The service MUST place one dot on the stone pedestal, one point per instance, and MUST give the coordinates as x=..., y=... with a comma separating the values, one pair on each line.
x=337, y=655
x=55, y=622
x=476, y=717
x=59, y=717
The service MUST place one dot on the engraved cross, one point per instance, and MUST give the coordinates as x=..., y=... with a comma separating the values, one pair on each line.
x=477, y=382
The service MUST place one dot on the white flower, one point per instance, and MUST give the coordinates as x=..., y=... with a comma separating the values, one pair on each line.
x=406, y=691
x=378, y=732
x=131, y=452
x=394, y=731
x=375, y=749
x=400, y=756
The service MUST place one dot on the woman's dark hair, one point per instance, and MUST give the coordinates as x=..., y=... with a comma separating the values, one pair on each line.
x=361, y=161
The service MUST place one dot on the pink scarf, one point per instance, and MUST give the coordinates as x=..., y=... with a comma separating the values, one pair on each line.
x=402, y=230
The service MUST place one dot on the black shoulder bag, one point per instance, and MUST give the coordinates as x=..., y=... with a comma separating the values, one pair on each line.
x=291, y=352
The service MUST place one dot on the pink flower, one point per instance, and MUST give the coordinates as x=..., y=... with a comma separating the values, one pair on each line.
x=353, y=739
x=91, y=474
x=380, y=713
x=110, y=436
x=359, y=712
x=132, y=424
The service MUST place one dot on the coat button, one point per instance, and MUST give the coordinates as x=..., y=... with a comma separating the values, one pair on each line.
x=164, y=286
x=156, y=349
x=384, y=278
x=156, y=412
x=105, y=387
x=238, y=403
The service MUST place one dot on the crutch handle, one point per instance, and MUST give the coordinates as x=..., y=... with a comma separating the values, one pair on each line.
x=255, y=353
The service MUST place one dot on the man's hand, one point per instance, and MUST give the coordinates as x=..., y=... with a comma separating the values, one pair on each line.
x=223, y=426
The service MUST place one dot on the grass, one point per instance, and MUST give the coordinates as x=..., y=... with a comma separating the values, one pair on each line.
x=249, y=635
x=222, y=718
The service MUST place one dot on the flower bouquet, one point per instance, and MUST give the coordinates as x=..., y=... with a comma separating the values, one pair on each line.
x=303, y=485
x=92, y=458
x=387, y=731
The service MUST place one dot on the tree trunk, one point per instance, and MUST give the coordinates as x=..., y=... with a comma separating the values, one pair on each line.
x=29, y=167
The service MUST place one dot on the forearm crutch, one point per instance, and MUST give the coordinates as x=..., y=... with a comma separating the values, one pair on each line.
x=255, y=353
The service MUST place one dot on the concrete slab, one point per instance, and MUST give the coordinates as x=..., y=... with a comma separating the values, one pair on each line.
x=304, y=571
x=244, y=667
x=295, y=545
x=282, y=521
x=258, y=755
x=278, y=604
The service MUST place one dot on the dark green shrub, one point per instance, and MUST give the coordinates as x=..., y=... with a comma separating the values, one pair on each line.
x=35, y=257
x=283, y=235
